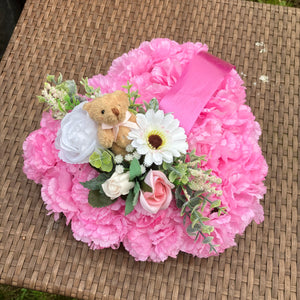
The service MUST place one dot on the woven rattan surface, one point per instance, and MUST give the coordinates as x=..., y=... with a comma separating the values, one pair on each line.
x=81, y=38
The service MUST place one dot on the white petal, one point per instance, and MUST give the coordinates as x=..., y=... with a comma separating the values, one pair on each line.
x=167, y=156
x=142, y=149
x=159, y=116
x=150, y=116
x=167, y=121
x=174, y=125
x=157, y=158
x=148, y=161
x=142, y=121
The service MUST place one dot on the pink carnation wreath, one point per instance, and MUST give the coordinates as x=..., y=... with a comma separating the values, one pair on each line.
x=225, y=131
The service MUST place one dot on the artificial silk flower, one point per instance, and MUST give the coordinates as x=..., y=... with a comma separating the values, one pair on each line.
x=77, y=137
x=158, y=137
x=161, y=195
x=117, y=185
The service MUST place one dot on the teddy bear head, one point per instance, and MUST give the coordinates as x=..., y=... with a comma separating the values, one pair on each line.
x=109, y=109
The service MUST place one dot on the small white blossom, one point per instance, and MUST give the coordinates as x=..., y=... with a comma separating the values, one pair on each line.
x=129, y=148
x=119, y=169
x=143, y=169
x=129, y=157
x=218, y=180
x=219, y=193
x=136, y=155
x=118, y=159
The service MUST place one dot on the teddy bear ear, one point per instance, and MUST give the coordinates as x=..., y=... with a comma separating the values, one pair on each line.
x=122, y=96
x=87, y=106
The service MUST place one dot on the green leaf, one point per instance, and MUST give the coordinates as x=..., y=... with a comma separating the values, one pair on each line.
x=134, y=169
x=212, y=248
x=96, y=183
x=142, y=110
x=172, y=176
x=136, y=192
x=195, y=201
x=185, y=180
x=60, y=78
x=107, y=163
x=51, y=78
x=145, y=187
x=146, y=105
x=190, y=230
x=98, y=199
x=129, y=203
x=101, y=160
x=207, y=239
x=207, y=229
x=180, y=199
x=216, y=203
x=132, y=110
x=165, y=166
x=153, y=104
x=41, y=99
x=95, y=160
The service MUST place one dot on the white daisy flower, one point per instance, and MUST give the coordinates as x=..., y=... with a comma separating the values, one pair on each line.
x=118, y=159
x=158, y=137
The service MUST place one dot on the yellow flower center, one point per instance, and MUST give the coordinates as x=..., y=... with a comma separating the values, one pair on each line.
x=155, y=139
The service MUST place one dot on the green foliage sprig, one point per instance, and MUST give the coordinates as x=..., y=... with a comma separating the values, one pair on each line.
x=90, y=92
x=137, y=107
x=62, y=96
x=193, y=188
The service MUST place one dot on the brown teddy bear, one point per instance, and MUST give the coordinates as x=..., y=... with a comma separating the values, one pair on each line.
x=114, y=120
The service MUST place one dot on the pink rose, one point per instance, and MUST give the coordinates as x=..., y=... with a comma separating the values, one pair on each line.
x=161, y=194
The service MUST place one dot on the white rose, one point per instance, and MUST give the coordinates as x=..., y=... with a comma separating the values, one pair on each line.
x=77, y=137
x=117, y=185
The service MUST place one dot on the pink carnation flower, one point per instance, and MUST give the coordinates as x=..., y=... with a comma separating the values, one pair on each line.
x=40, y=153
x=154, y=237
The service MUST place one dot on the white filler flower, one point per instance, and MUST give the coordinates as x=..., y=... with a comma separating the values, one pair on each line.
x=158, y=137
x=77, y=137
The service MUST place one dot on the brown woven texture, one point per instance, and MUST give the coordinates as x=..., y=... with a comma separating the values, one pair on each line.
x=81, y=38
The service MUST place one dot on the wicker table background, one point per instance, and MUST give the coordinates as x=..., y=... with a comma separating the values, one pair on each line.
x=81, y=38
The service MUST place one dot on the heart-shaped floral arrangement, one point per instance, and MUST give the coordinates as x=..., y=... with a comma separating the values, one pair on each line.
x=170, y=189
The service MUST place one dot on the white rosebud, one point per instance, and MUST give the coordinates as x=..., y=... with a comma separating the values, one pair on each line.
x=117, y=185
x=77, y=137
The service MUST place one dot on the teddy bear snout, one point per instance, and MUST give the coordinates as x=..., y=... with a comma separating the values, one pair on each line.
x=115, y=111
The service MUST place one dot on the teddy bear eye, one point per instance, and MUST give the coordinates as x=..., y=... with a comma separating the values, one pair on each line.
x=102, y=112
